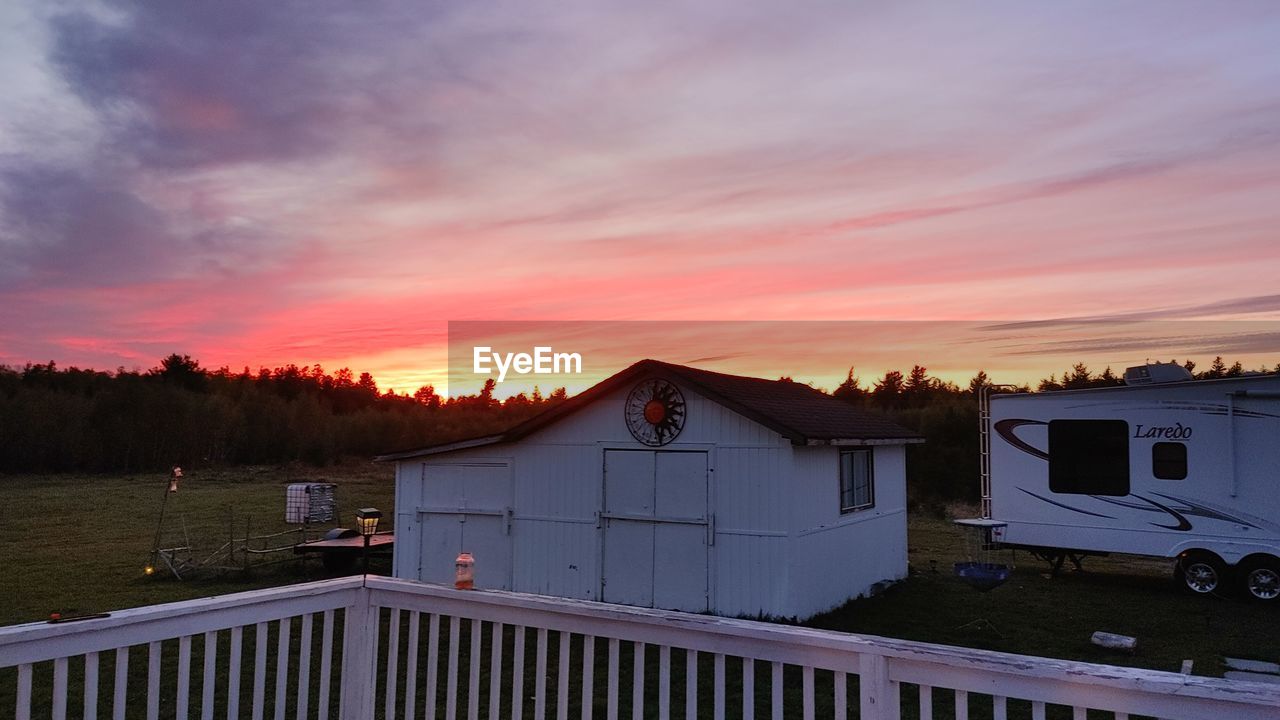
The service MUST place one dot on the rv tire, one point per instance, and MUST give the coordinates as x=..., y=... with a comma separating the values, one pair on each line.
x=1260, y=578
x=1200, y=572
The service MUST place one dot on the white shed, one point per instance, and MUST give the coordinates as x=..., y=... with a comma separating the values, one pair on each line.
x=672, y=487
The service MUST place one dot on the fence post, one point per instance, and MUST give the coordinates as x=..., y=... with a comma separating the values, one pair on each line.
x=878, y=694
x=359, y=666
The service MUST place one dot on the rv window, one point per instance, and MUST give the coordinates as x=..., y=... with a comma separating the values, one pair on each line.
x=1169, y=461
x=1089, y=457
x=857, y=487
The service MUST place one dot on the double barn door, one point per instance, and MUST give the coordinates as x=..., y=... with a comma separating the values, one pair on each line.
x=656, y=529
x=655, y=525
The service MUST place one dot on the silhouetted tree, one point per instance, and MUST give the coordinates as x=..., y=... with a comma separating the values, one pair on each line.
x=1077, y=378
x=426, y=395
x=851, y=390
x=519, y=400
x=182, y=371
x=887, y=392
x=978, y=382
x=1216, y=369
x=486, y=393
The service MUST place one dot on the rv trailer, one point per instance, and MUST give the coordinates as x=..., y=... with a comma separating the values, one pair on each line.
x=1163, y=466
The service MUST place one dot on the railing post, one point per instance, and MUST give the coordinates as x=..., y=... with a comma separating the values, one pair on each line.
x=359, y=668
x=879, y=694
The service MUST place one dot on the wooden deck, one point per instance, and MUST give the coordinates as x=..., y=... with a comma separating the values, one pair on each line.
x=712, y=666
x=382, y=542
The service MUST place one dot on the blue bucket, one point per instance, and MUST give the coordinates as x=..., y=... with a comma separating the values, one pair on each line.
x=983, y=576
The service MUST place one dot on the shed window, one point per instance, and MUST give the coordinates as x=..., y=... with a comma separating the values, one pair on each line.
x=857, y=485
x=1089, y=457
x=1169, y=461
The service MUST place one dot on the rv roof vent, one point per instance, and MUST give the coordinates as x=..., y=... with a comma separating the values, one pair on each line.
x=1153, y=373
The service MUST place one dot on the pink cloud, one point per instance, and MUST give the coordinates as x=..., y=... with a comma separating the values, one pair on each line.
x=335, y=192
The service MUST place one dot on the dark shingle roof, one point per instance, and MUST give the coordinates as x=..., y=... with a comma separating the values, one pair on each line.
x=798, y=412
x=794, y=410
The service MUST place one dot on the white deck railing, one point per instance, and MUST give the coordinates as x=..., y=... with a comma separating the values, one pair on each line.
x=360, y=648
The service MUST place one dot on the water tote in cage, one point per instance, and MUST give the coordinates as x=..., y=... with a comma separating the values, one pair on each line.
x=982, y=567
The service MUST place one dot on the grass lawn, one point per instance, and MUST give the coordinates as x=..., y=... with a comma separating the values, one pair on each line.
x=79, y=543
x=72, y=543
x=1036, y=614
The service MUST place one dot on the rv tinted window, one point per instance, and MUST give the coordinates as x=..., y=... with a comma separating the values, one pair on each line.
x=1089, y=457
x=1169, y=461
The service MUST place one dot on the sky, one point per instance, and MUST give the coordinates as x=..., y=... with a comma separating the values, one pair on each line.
x=260, y=183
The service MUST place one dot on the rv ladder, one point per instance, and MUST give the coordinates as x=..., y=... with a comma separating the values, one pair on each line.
x=984, y=441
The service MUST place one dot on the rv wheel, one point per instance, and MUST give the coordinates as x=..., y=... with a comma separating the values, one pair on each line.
x=1199, y=572
x=1262, y=578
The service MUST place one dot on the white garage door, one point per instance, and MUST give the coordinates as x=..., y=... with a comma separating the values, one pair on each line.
x=655, y=529
x=466, y=508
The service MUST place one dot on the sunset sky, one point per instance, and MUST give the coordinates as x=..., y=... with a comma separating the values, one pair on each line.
x=258, y=183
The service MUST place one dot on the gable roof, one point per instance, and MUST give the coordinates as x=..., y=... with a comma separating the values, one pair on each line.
x=801, y=414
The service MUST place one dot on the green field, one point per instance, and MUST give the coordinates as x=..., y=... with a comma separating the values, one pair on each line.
x=1036, y=614
x=79, y=543
x=71, y=543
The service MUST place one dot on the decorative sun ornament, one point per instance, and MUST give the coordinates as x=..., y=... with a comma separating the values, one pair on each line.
x=655, y=412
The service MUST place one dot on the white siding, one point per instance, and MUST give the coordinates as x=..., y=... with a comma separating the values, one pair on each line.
x=835, y=556
x=766, y=496
x=750, y=488
x=1219, y=446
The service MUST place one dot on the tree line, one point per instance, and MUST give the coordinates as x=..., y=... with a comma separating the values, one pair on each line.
x=178, y=413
